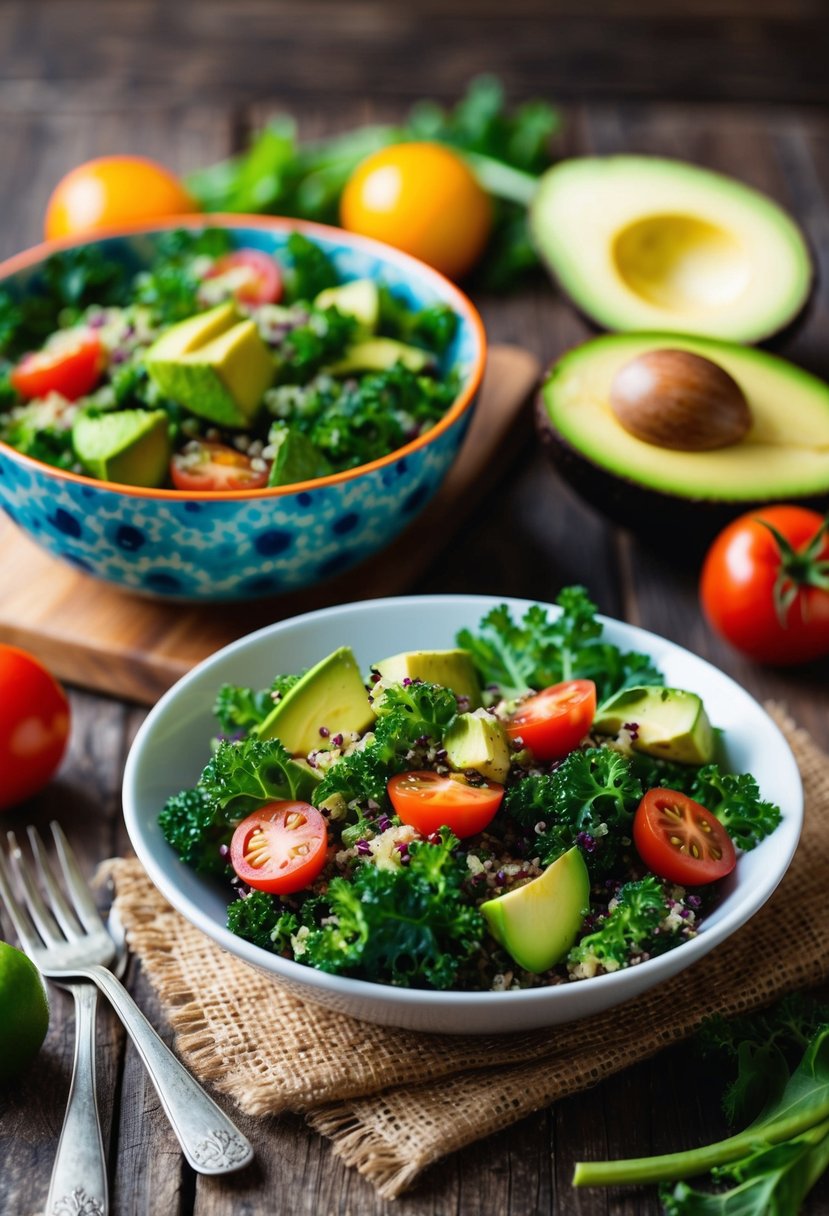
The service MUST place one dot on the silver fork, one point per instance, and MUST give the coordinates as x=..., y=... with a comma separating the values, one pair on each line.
x=209, y=1140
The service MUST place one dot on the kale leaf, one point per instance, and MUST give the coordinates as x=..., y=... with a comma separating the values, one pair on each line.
x=631, y=928
x=25, y=431
x=408, y=926
x=260, y=918
x=734, y=798
x=309, y=270
x=170, y=287
x=514, y=659
x=196, y=827
x=433, y=327
x=310, y=346
x=241, y=776
x=589, y=800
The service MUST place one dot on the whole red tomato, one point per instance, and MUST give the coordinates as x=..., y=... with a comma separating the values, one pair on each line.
x=34, y=725
x=765, y=584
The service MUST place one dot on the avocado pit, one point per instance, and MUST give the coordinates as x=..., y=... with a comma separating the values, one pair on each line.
x=679, y=400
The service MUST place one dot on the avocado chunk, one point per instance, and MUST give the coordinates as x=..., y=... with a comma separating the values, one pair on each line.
x=296, y=458
x=670, y=723
x=450, y=668
x=359, y=299
x=646, y=243
x=784, y=455
x=537, y=924
x=131, y=447
x=330, y=696
x=214, y=364
x=478, y=741
x=379, y=355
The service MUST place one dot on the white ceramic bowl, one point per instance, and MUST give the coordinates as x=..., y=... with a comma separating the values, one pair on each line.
x=171, y=749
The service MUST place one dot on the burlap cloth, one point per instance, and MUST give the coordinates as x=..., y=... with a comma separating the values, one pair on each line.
x=391, y=1101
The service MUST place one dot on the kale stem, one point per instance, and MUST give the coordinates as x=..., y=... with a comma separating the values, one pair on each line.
x=502, y=180
x=673, y=1166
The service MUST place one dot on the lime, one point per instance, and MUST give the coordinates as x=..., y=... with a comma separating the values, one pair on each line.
x=24, y=1011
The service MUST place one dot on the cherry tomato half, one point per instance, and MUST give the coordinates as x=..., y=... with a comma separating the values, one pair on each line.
x=253, y=276
x=680, y=840
x=427, y=801
x=767, y=594
x=280, y=848
x=422, y=198
x=215, y=466
x=34, y=725
x=556, y=720
x=70, y=363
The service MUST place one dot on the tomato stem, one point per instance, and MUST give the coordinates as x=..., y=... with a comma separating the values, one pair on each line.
x=798, y=567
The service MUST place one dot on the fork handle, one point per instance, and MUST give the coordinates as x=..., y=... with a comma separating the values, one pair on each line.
x=209, y=1141
x=79, y=1176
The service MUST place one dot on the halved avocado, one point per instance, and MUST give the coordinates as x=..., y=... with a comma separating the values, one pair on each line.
x=783, y=457
x=645, y=243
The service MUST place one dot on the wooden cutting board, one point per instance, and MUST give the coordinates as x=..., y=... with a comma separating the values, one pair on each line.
x=93, y=634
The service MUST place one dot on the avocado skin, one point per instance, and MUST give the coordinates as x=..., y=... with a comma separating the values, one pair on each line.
x=667, y=522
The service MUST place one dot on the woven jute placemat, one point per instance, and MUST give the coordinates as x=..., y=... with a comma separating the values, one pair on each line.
x=393, y=1102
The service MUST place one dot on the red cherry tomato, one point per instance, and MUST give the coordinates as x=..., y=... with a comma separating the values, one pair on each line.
x=427, y=801
x=34, y=725
x=215, y=466
x=280, y=848
x=680, y=840
x=556, y=720
x=767, y=591
x=70, y=364
x=253, y=276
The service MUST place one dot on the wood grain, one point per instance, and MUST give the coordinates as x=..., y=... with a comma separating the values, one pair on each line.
x=93, y=634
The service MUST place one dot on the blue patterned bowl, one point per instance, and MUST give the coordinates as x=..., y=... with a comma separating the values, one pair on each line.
x=246, y=543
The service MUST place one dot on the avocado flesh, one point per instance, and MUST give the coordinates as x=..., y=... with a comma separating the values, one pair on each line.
x=643, y=243
x=537, y=924
x=130, y=447
x=450, y=668
x=359, y=299
x=330, y=695
x=670, y=723
x=785, y=453
x=478, y=741
x=378, y=355
x=214, y=364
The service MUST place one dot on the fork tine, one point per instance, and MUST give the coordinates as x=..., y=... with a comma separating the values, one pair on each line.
x=60, y=908
x=46, y=924
x=76, y=884
x=18, y=915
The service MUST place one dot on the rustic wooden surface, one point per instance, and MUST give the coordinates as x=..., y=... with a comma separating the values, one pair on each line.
x=729, y=83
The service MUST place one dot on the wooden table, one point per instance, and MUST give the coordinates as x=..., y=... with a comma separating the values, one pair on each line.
x=734, y=85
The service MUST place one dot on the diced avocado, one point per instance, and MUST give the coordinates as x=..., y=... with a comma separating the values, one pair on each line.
x=215, y=364
x=131, y=447
x=450, y=668
x=538, y=923
x=296, y=458
x=478, y=741
x=670, y=723
x=359, y=299
x=330, y=695
x=378, y=355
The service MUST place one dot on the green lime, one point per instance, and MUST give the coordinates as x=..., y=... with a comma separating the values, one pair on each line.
x=24, y=1011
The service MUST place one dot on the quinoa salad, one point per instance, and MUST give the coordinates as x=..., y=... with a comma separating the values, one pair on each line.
x=217, y=368
x=532, y=807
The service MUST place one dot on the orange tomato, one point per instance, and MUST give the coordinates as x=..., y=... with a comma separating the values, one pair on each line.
x=114, y=192
x=421, y=198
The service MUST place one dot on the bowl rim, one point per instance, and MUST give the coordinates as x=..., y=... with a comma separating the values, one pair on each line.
x=459, y=301
x=624, y=982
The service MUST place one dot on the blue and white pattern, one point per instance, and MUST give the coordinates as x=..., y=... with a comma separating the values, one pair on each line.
x=225, y=549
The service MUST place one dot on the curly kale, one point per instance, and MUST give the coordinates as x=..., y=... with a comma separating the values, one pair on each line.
x=309, y=270
x=631, y=929
x=406, y=714
x=239, y=708
x=196, y=827
x=25, y=432
x=241, y=776
x=514, y=659
x=260, y=918
x=409, y=926
x=433, y=327
x=319, y=341
x=735, y=800
x=589, y=800
x=170, y=288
